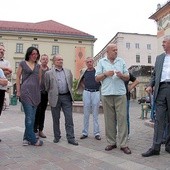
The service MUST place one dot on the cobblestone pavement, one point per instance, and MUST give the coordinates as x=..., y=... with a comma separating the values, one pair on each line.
x=89, y=155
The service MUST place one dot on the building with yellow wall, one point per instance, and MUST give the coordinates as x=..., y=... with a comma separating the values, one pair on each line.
x=49, y=37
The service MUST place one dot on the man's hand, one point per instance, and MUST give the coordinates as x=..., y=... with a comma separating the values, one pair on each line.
x=149, y=89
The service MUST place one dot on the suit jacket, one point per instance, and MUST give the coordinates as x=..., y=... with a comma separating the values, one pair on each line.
x=51, y=85
x=80, y=84
x=157, y=72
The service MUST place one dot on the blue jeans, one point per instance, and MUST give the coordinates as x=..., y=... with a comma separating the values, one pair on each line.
x=29, y=134
x=91, y=101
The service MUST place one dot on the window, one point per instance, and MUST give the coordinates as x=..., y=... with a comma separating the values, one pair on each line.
x=137, y=45
x=128, y=45
x=55, y=50
x=35, y=45
x=16, y=65
x=137, y=58
x=149, y=59
x=149, y=46
x=19, y=48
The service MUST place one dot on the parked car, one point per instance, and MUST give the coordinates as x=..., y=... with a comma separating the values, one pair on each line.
x=144, y=99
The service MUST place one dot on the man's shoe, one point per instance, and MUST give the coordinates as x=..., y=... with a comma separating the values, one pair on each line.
x=98, y=137
x=56, y=140
x=110, y=147
x=150, y=152
x=126, y=150
x=73, y=142
x=0, y=140
x=41, y=134
x=83, y=136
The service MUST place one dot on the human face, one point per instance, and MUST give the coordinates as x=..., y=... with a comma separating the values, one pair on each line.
x=112, y=51
x=89, y=63
x=166, y=45
x=44, y=60
x=2, y=51
x=33, y=56
x=58, y=61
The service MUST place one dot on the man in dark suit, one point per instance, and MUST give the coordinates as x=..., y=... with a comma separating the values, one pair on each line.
x=160, y=80
x=58, y=84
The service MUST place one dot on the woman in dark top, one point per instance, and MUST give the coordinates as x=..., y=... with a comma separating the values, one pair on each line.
x=28, y=90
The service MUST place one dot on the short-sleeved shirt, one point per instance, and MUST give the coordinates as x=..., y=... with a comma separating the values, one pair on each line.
x=4, y=63
x=89, y=80
x=112, y=85
x=132, y=79
x=30, y=86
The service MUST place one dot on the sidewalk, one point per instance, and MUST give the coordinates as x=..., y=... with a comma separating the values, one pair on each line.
x=89, y=155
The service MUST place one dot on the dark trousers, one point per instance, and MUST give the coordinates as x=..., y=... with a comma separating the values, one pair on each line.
x=2, y=96
x=162, y=116
x=40, y=113
x=64, y=103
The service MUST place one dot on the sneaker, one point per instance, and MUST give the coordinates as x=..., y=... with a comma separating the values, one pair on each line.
x=26, y=143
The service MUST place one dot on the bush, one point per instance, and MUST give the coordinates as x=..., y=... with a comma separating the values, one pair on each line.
x=77, y=97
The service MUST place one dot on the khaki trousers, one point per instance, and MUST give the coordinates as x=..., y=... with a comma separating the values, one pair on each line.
x=114, y=108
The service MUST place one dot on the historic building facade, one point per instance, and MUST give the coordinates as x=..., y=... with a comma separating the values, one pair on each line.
x=49, y=37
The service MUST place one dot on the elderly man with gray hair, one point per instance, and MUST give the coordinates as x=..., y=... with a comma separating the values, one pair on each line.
x=91, y=98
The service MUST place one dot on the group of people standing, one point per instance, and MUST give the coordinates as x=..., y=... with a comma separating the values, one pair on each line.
x=111, y=78
x=108, y=82
x=37, y=85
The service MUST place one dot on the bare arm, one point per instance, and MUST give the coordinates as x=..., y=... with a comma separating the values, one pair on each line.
x=18, y=80
x=124, y=77
x=133, y=85
x=7, y=71
x=40, y=75
x=3, y=81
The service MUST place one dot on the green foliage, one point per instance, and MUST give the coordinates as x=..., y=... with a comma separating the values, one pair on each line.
x=77, y=97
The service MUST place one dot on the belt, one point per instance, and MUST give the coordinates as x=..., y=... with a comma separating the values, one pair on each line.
x=62, y=94
x=91, y=90
x=164, y=82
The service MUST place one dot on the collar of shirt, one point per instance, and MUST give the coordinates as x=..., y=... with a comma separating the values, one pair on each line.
x=58, y=69
x=116, y=59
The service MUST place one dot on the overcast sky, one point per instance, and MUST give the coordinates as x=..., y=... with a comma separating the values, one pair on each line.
x=100, y=18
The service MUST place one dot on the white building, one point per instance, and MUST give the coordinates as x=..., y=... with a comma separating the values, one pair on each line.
x=135, y=49
x=139, y=51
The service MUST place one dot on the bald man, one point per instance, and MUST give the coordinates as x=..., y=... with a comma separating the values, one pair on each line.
x=112, y=72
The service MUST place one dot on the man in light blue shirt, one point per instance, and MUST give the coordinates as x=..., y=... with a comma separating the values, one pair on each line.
x=112, y=72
